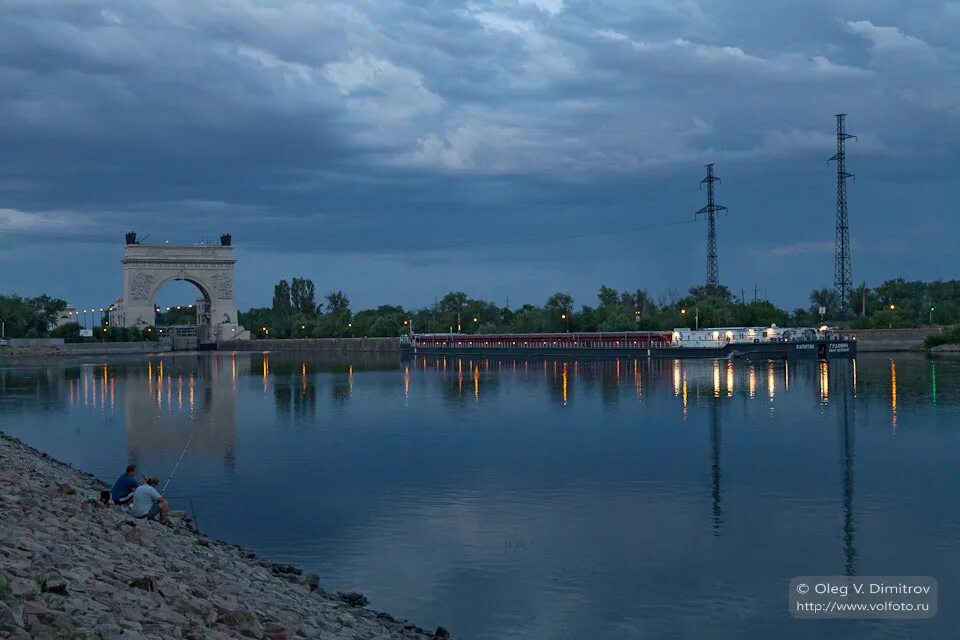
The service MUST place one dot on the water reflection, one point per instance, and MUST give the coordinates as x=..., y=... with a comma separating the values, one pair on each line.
x=158, y=421
x=609, y=498
x=846, y=457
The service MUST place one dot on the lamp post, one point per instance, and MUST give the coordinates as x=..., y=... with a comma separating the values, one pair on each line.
x=566, y=321
x=930, y=321
x=893, y=310
x=476, y=324
x=696, y=311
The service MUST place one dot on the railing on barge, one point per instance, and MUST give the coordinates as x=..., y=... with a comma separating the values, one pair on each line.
x=604, y=340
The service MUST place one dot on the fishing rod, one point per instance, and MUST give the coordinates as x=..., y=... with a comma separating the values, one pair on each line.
x=179, y=460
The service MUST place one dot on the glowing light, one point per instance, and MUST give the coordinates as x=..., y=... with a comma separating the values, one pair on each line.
x=771, y=381
x=636, y=377
x=676, y=377
x=684, y=394
x=729, y=379
x=716, y=379
x=406, y=384
x=266, y=371
x=564, y=384
x=854, y=363
x=752, y=381
x=824, y=382
x=893, y=395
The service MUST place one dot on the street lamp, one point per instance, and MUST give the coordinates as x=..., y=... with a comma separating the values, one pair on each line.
x=696, y=310
x=931, y=315
x=563, y=316
x=893, y=309
x=476, y=322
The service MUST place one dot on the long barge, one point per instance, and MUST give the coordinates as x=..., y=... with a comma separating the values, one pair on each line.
x=760, y=343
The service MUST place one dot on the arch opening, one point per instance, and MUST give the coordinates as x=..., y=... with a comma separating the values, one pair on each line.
x=181, y=301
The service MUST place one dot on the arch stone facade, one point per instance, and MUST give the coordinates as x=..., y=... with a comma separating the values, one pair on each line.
x=147, y=267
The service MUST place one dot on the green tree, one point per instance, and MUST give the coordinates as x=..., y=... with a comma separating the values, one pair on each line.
x=337, y=301
x=302, y=296
x=281, y=298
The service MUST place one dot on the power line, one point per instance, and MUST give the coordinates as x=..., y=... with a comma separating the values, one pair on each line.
x=539, y=239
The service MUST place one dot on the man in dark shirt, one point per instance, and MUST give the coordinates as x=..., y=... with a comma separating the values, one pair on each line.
x=125, y=486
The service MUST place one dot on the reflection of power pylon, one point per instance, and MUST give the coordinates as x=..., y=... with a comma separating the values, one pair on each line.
x=715, y=463
x=846, y=462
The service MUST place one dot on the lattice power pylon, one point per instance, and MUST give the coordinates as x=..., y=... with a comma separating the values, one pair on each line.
x=842, y=272
x=713, y=277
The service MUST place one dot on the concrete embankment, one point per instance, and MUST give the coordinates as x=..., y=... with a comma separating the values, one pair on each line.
x=72, y=568
x=892, y=339
x=38, y=349
x=356, y=345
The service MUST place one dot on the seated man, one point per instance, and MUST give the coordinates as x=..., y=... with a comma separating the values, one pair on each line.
x=148, y=503
x=123, y=489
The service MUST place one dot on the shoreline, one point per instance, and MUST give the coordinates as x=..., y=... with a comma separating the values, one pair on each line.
x=73, y=568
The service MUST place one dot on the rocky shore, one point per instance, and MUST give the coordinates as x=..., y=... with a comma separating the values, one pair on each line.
x=74, y=569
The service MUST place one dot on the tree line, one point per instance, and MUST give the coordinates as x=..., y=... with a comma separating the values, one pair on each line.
x=296, y=312
x=898, y=303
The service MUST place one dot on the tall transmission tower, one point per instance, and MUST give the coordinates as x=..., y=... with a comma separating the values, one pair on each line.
x=713, y=277
x=842, y=272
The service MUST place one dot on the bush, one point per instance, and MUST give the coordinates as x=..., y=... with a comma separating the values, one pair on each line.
x=947, y=336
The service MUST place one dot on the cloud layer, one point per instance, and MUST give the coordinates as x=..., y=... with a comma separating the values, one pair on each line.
x=410, y=138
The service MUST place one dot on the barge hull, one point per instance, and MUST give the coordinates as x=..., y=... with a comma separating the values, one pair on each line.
x=801, y=350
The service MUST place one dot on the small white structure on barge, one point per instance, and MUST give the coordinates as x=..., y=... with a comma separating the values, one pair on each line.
x=718, y=337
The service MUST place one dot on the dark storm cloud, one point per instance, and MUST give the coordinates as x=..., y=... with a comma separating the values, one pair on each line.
x=510, y=148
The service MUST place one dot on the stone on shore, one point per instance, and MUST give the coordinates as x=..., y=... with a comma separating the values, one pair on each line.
x=71, y=567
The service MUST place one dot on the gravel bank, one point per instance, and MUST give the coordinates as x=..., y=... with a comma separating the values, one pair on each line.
x=71, y=568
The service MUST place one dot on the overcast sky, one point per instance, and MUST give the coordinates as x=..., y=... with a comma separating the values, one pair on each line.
x=507, y=148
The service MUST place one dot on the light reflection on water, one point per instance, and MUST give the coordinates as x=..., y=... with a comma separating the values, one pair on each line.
x=540, y=499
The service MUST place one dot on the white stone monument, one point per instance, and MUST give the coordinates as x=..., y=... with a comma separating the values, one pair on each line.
x=147, y=267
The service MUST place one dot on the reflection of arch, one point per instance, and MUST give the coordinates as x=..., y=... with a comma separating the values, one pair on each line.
x=146, y=268
x=183, y=399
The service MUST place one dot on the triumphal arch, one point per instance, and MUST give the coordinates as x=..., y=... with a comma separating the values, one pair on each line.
x=147, y=267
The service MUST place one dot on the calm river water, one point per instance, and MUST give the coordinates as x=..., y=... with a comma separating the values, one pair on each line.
x=532, y=499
